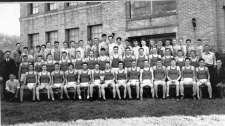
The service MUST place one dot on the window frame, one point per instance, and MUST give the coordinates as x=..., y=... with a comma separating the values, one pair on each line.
x=68, y=34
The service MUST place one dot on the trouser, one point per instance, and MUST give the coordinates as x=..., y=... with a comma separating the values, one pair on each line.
x=2, y=89
x=9, y=95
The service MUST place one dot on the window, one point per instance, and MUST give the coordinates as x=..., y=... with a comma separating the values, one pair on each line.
x=140, y=9
x=72, y=34
x=94, y=31
x=33, y=40
x=52, y=36
x=51, y=6
x=34, y=8
x=163, y=7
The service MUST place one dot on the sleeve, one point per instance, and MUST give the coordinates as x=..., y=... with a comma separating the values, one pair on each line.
x=17, y=84
x=7, y=85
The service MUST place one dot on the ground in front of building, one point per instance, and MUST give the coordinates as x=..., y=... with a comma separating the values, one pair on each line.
x=127, y=112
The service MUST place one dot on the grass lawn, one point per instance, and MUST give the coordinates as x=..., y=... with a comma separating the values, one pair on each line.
x=30, y=112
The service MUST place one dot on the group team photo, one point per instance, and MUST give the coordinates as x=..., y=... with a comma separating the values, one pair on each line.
x=111, y=62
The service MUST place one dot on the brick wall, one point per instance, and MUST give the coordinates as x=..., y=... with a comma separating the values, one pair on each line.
x=205, y=13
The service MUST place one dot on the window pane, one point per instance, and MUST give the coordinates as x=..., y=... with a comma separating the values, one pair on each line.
x=163, y=7
x=141, y=8
x=73, y=34
x=96, y=31
x=52, y=6
x=52, y=36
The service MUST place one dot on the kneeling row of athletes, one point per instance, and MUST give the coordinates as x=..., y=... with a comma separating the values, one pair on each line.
x=122, y=77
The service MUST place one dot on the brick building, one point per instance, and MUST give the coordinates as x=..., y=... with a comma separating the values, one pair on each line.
x=62, y=21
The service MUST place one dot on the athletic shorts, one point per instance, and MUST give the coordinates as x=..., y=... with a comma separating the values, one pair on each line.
x=70, y=84
x=31, y=85
x=159, y=82
x=43, y=86
x=188, y=81
x=96, y=83
x=173, y=82
x=84, y=84
x=108, y=83
x=146, y=83
x=133, y=82
x=203, y=82
x=121, y=83
x=57, y=85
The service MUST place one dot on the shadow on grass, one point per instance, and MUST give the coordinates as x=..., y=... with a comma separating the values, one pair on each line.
x=29, y=112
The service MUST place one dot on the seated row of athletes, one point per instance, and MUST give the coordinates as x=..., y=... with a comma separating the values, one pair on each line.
x=116, y=72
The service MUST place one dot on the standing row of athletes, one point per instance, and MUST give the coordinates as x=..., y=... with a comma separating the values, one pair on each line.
x=117, y=67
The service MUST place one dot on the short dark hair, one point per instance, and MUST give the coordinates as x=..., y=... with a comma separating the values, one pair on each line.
x=187, y=58
x=56, y=42
x=70, y=64
x=56, y=63
x=43, y=45
x=25, y=56
x=110, y=36
x=119, y=38
x=188, y=40
x=17, y=43
x=201, y=59
x=25, y=47
x=102, y=49
x=84, y=63
x=38, y=46
x=115, y=47
x=104, y=35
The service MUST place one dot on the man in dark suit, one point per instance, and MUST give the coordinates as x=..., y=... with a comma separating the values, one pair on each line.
x=8, y=66
x=1, y=72
x=218, y=84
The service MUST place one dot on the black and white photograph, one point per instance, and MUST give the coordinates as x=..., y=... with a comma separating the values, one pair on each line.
x=112, y=63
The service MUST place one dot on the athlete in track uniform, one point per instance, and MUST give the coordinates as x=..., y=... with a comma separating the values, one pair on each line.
x=109, y=80
x=146, y=78
x=71, y=76
x=44, y=82
x=203, y=78
x=159, y=73
x=23, y=68
x=78, y=61
x=128, y=58
x=133, y=79
x=173, y=76
x=102, y=59
x=95, y=80
x=50, y=63
x=58, y=79
x=64, y=61
x=56, y=52
x=38, y=64
x=167, y=57
x=194, y=58
x=84, y=78
x=91, y=60
x=154, y=57
x=30, y=82
x=114, y=59
x=141, y=58
x=180, y=58
x=188, y=78
x=121, y=80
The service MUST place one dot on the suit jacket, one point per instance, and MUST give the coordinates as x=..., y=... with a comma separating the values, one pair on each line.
x=218, y=75
x=8, y=67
